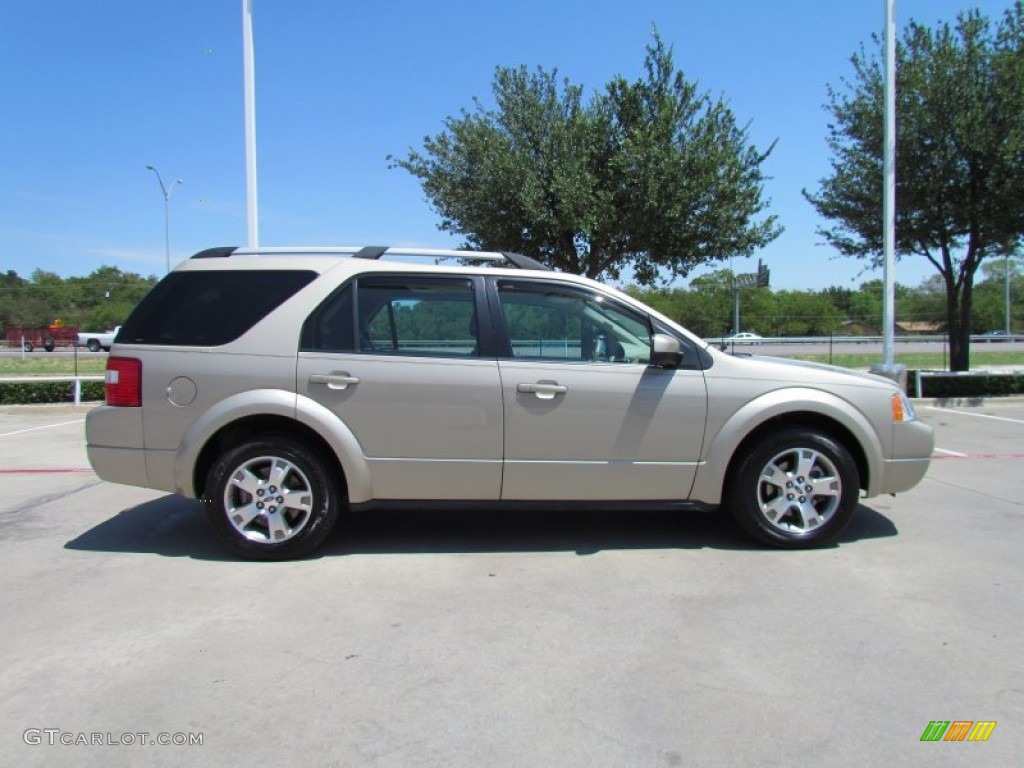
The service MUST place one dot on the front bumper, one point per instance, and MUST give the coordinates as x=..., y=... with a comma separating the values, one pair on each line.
x=912, y=447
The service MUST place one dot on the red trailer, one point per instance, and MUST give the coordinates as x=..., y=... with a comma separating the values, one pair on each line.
x=49, y=337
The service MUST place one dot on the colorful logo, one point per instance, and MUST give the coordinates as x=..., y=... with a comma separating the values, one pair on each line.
x=958, y=730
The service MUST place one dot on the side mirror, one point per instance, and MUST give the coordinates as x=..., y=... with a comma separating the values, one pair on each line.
x=666, y=351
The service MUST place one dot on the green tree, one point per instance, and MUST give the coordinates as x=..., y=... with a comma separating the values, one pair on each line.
x=705, y=312
x=925, y=303
x=959, y=149
x=651, y=175
x=12, y=286
x=839, y=297
x=97, y=301
x=990, y=302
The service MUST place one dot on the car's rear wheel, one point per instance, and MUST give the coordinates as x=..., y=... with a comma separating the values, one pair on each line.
x=797, y=488
x=27, y=346
x=93, y=345
x=272, y=498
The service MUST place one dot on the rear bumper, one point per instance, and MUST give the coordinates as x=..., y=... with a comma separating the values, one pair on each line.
x=113, y=438
x=119, y=465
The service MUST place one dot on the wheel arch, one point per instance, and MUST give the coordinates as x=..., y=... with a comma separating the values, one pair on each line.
x=817, y=422
x=248, y=427
x=276, y=411
x=822, y=411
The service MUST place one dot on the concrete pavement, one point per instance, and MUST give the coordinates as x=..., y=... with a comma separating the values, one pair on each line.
x=625, y=639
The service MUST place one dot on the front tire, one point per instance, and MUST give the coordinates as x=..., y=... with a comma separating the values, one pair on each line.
x=795, y=489
x=27, y=346
x=272, y=498
x=93, y=345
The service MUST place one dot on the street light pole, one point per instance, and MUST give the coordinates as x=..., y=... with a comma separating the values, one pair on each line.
x=1006, y=275
x=167, y=191
x=888, y=367
x=249, y=70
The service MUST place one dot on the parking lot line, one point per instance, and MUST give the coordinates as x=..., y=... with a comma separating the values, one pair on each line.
x=44, y=471
x=45, y=426
x=981, y=456
x=969, y=413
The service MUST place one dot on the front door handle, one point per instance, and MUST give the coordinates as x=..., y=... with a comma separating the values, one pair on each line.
x=337, y=380
x=545, y=390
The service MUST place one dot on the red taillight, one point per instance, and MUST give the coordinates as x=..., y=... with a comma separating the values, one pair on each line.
x=123, y=382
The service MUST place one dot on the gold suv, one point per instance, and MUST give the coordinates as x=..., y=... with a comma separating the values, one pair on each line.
x=287, y=385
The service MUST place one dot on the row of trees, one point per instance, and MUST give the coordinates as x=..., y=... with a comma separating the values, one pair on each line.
x=706, y=308
x=104, y=298
x=650, y=178
x=95, y=302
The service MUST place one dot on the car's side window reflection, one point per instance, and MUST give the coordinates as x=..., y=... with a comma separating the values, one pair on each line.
x=423, y=317
x=546, y=322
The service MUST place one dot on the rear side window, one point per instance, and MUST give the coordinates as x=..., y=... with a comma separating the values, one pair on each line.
x=421, y=316
x=206, y=309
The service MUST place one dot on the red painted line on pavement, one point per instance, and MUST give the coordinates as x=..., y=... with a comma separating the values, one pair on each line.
x=984, y=456
x=41, y=471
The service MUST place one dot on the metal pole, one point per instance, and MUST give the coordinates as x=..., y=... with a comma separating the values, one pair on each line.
x=888, y=366
x=735, y=307
x=1007, y=275
x=889, y=194
x=167, y=192
x=250, y=123
x=167, y=233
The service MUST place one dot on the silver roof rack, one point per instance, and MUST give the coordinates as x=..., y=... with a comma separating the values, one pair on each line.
x=376, y=252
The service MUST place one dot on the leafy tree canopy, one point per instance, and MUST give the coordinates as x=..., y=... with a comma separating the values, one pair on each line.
x=959, y=154
x=94, y=302
x=649, y=175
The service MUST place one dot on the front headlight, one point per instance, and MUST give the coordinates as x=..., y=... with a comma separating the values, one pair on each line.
x=902, y=408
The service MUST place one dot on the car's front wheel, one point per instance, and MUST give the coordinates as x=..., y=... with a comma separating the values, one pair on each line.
x=93, y=345
x=272, y=498
x=797, y=488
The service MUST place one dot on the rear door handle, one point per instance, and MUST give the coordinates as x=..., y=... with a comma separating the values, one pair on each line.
x=339, y=380
x=545, y=390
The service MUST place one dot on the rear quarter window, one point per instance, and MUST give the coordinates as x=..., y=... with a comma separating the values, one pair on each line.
x=207, y=309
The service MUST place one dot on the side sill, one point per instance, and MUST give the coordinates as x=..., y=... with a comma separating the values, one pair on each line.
x=463, y=505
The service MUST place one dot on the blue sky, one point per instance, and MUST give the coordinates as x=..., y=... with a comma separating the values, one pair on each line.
x=92, y=92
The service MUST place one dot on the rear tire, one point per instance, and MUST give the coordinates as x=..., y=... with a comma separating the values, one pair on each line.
x=93, y=345
x=27, y=346
x=272, y=498
x=795, y=489
x=49, y=345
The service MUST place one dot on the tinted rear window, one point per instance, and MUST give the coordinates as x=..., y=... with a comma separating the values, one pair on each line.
x=206, y=309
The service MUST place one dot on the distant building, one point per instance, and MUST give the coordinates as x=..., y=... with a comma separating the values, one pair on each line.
x=915, y=328
x=902, y=328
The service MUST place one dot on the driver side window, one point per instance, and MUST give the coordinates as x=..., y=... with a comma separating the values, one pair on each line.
x=547, y=322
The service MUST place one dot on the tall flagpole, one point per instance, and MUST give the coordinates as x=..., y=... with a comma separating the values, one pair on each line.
x=889, y=367
x=250, y=125
x=889, y=193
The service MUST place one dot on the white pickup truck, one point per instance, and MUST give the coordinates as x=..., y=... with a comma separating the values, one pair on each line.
x=97, y=341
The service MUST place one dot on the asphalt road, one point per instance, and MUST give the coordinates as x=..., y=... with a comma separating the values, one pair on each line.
x=519, y=640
